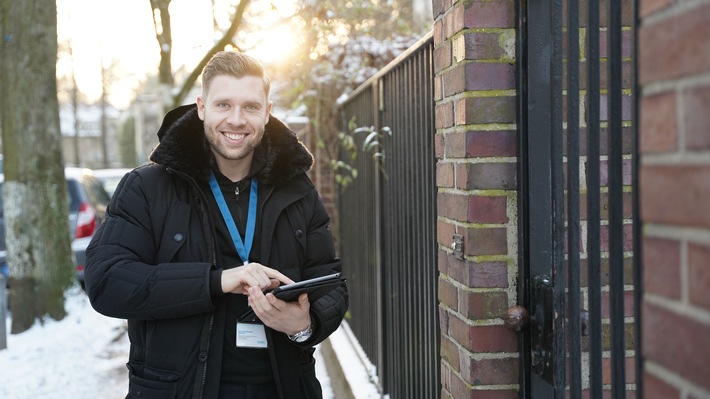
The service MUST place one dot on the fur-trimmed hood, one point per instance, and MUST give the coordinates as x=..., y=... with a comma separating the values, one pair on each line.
x=183, y=147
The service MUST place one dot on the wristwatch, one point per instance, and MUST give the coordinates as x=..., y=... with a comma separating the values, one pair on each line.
x=302, y=335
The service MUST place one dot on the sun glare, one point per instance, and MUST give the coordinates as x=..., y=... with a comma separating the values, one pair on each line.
x=275, y=45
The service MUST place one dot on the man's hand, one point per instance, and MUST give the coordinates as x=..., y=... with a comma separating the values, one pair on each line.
x=238, y=279
x=287, y=317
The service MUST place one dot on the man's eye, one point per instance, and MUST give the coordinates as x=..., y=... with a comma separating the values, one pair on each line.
x=222, y=105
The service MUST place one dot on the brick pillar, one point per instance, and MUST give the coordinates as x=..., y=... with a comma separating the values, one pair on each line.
x=674, y=115
x=476, y=178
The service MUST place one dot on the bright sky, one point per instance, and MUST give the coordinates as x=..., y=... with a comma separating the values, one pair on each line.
x=122, y=32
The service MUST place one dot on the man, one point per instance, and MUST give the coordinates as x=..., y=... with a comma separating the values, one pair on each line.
x=191, y=241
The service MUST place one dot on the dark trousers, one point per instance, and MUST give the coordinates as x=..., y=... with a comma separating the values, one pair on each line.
x=231, y=391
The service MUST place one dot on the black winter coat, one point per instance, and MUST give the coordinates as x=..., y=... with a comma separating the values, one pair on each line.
x=150, y=263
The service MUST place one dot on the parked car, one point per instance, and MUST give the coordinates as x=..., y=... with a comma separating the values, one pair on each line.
x=110, y=178
x=87, y=208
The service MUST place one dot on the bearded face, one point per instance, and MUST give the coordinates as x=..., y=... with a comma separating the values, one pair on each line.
x=235, y=112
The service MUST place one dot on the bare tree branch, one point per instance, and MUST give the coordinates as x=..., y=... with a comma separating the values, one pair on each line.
x=227, y=38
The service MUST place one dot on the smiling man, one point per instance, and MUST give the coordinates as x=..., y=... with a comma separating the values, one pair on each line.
x=192, y=241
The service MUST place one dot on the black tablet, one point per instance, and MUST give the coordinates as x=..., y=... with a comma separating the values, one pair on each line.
x=315, y=287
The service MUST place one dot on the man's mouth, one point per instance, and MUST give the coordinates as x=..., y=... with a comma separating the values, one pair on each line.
x=234, y=136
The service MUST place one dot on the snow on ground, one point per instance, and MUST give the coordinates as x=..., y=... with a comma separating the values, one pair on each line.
x=82, y=356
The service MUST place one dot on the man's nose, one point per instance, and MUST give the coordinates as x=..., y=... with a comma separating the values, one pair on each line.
x=236, y=117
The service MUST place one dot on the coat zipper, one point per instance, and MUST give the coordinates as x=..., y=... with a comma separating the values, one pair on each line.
x=208, y=233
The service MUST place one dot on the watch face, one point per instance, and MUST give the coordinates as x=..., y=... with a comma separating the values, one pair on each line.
x=303, y=338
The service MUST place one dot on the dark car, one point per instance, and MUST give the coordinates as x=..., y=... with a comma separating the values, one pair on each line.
x=87, y=208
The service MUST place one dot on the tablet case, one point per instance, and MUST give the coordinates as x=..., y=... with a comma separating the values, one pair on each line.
x=315, y=287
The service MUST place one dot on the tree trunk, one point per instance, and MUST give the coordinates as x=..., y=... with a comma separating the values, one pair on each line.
x=38, y=248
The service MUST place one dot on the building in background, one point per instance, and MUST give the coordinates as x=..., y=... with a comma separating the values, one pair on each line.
x=82, y=135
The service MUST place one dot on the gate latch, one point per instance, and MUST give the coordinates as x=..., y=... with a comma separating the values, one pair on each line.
x=542, y=333
x=457, y=246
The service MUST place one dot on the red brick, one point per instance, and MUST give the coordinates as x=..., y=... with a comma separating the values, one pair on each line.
x=659, y=131
x=485, y=241
x=442, y=56
x=439, y=146
x=493, y=14
x=675, y=194
x=449, y=351
x=699, y=275
x=654, y=388
x=626, y=104
x=445, y=174
x=444, y=115
x=628, y=206
x=439, y=36
x=498, y=143
x=648, y=7
x=444, y=317
x=439, y=7
x=490, y=371
x=454, y=81
x=491, y=339
x=457, y=269
x=490, y=76
x=444, y=233
x=488, y=176
x=697, y=118
x=474, y=274
x=459, y=331
x=483, y=110
x=677, y=342
x=461, y=172
x=485, y=209
x=661, y=264
x=626, y=44
x=448, y=294
x=628, y=304
x=438, y=90
x=453, y=206
x=454, y=21
x=483, y=46
x=629, y=366
x=488, y=275
x=458, y=388
x=455, y=145
x=675, y=46
x=482, y=305
x=628, y=237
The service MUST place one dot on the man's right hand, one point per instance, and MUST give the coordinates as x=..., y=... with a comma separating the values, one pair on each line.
x=237, y=280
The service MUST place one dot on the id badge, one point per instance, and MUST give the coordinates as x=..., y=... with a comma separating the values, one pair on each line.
x=251, y=335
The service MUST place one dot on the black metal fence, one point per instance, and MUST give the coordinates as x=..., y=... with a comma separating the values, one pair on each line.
x=577, y=211
x=388, y=224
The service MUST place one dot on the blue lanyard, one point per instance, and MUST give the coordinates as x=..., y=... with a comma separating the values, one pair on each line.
x=243, y=248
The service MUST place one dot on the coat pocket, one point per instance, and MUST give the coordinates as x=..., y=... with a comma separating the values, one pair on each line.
x=155, y=384
x=175, y=232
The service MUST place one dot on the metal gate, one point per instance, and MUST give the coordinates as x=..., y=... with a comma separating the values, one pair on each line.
x=578, y=236
x=388, y=218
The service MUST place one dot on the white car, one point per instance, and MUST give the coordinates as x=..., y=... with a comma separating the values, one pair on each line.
x=110, y=178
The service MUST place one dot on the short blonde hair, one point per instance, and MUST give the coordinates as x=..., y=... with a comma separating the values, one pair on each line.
x=236, y=64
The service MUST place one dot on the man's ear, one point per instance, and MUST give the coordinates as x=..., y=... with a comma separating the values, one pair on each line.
x=200, y=108
x=268, y=112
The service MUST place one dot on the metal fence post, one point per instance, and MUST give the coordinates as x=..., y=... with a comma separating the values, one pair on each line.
x=3, y=313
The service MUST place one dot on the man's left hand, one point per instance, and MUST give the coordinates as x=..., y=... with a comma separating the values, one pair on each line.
x=287, y=317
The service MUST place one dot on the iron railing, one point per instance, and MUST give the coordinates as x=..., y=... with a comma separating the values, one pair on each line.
x=577, y=208
x=388, y=224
